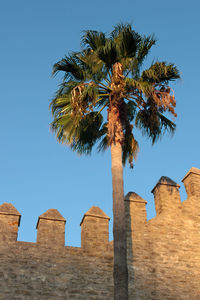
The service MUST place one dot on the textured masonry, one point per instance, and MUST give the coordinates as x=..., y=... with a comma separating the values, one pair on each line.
x=95, y=231
x=51, y=229
x=163, y=253
x=9, y=223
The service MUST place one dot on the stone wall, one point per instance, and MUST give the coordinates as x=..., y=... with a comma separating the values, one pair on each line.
x=163, y=253
x=49, y=270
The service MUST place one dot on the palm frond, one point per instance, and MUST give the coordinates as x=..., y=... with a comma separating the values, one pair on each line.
x=72, y=67
x=144, y=47
x=167, y=124
x=87, y=133
x=131, y=110
x=64, y=127
x=59, y=103
x=108, y=54
x=161, y=72
x=152, y=123
x=130, y=147
x=95, y=66
x=118, y=28
x=127, y=42
x=66, y=87
x=93, y=39
x=138, y=87
x=104, y=142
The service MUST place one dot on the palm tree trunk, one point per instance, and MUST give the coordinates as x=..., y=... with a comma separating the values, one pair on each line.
x=120, y=272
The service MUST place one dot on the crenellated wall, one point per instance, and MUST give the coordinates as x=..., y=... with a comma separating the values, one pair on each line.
x=49, y=270
x=163, y=253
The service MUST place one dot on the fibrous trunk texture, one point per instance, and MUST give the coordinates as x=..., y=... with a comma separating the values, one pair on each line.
x=116, y=139
x=119, y=226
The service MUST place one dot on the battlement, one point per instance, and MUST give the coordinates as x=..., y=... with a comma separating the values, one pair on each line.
x=95, y=223
x=51, y=228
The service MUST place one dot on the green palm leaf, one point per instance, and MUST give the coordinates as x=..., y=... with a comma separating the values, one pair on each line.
x=161, y=72
x=93, y=39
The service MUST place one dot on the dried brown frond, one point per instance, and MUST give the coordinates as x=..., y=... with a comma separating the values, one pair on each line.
x=80, y=105
x=164, y=98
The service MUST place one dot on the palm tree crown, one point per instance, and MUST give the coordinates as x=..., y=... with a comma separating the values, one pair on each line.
x=107, y=73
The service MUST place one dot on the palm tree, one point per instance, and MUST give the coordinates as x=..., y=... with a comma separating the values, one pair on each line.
x=107, y=74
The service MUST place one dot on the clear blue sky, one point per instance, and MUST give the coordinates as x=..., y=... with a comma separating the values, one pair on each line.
x=37, y=173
